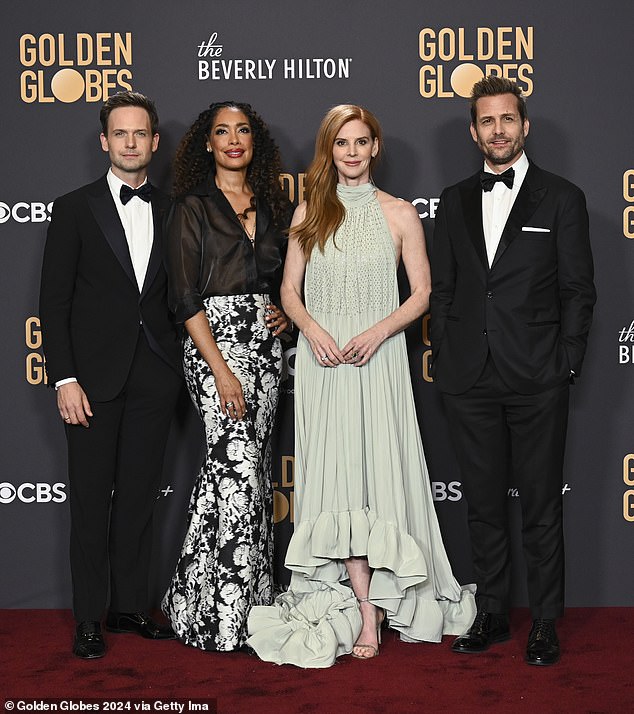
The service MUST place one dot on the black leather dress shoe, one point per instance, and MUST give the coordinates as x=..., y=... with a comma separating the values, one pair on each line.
x=89, y=642
x=487, y=629
x=543, y=645
x=140, y=624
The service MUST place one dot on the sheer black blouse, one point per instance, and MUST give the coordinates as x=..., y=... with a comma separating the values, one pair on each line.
x=210, y=254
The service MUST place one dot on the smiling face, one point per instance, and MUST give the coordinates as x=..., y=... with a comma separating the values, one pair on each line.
x=499, y=130
x=231, y=139
x=352, y=152
x=129, y=143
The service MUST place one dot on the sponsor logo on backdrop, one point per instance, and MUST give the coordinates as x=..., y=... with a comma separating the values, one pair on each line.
x=23, y=212
x=32, y=493
x=626, y=344
x=628, y=480
x=515, y=492
x=71, y=67
x=283, y=493
x=426, y=207
x=34, y=364
x=455, y=58
x=628, y=197
x=215, y=65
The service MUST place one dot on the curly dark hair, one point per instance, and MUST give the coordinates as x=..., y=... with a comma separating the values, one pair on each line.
x=193, y=164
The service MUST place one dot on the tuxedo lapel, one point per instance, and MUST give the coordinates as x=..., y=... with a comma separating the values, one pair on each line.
x=529, y=197
x=156, y=255
x=105, y=213
x=471, y=197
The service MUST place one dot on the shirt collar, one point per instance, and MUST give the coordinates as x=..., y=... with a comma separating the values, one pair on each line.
x=520, y=167
x=115, y=182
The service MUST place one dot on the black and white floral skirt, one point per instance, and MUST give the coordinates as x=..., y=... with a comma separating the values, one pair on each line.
x=226, y=564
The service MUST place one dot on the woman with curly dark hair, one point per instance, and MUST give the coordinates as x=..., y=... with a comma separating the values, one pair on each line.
x=226, y=246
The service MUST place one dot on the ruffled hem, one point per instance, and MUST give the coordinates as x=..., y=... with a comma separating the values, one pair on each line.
x=318, y=547
x=318, y=619
x=308, y=628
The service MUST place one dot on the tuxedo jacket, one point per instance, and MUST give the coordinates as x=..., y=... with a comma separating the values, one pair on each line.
x=532, y=309
x=91, y=307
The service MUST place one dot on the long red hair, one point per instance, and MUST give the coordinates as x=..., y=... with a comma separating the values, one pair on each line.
x=324, y=211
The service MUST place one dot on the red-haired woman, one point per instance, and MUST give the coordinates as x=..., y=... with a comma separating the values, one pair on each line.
x=364, y=512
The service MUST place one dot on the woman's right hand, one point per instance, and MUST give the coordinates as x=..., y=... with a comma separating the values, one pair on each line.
x=230, y=393
x=323, y=346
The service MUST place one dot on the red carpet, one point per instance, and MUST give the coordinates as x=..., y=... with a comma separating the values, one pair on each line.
x=596, y=673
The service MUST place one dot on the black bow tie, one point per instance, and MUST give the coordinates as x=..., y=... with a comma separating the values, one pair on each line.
x=487, y=179
x=143, y=192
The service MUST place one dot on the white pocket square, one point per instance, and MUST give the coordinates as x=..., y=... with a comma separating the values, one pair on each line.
x=532, y=229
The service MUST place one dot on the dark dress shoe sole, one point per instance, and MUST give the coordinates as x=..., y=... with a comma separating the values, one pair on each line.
x=91, y=655
x=142, y=633
x=89, y=650
x=540, y=661
x=465, y=649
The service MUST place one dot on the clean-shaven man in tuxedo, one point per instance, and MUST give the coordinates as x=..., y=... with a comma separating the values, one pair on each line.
x=511, y=307
x=112, y=354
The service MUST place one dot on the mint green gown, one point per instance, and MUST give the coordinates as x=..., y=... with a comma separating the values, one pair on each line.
x=361, y=482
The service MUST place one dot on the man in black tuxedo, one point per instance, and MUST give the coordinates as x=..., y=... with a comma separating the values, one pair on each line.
x=112, y=354
x=511, y=307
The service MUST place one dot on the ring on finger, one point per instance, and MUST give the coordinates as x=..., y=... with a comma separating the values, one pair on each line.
x=230, y=405
x=324, y=358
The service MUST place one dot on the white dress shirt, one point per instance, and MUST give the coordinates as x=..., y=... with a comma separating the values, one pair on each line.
x=497, y=204
x=136, y=217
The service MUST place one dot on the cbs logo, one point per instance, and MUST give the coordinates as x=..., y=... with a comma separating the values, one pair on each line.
x=23, y=212
x=442, y=491
x=32, y=492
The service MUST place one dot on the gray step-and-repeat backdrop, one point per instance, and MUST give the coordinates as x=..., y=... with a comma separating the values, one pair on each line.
x=412, y=63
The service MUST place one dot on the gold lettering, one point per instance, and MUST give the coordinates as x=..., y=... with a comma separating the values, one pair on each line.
x=628, y=185
x=33, y=333
x=101, y=48
x=123, y=48
x=524, y=43
x=485, y=43
x=503, y=43
x=35, y=372
x=28, y=51
x=122, y=76
x=28, y=87
x=461, y=46
x=446, y=44
x=46, y=50
x=281, y=506
x=426, y=339
x=426, y=44
x=288, y=471
x=84, y=49
x=287, y=182
x=426, y=366
x=628, y=470
x=628, y=222
x=61, y=51
x=628, y=506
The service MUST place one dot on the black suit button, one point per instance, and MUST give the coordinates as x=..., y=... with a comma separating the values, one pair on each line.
x=489, y=294
x=484, y=332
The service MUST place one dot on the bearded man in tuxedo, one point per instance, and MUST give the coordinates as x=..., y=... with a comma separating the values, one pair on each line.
x=112, y=353
x=511, y=308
